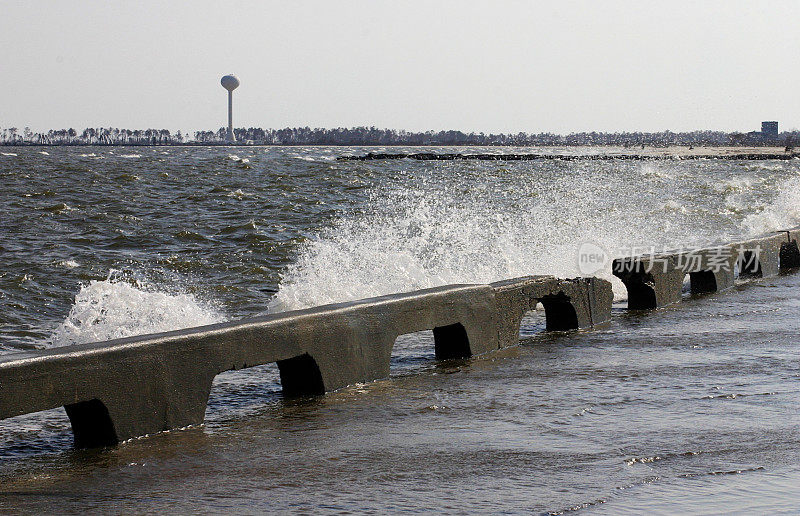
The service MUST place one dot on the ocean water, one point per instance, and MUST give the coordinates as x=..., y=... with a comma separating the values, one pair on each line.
x=688, y=409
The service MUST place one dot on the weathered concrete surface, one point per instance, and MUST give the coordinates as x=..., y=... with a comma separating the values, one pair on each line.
x=711, y=269
x=131, y=387
x=568, y=304
x=656, y=280
x=651, y=281
x=760, y=257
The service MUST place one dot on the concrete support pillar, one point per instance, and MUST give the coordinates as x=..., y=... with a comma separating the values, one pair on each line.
x=568, y=304
x=652, y=281
x=760, y=257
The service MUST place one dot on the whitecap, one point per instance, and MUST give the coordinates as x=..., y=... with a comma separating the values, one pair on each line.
x=673, y=205
x=736, y=183
x=114, y=308
x=653, y=170
x=239, y=194
x=771, y=167
x=781, y=213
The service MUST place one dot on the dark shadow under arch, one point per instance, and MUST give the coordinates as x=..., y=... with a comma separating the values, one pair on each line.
x=91, y=424
x=559, y=313
x=300, y=376
x=789, y=255
x=451, y=341
x=702, y=282
x=749, y=265
x=641, y=292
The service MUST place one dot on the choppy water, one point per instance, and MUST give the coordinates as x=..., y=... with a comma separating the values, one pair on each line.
x=689, y=409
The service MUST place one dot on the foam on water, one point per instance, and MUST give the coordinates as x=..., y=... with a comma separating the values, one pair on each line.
x=239, y=194
x=772, y=167
x=447, y=226
x=114, y=308
x=662, y=412
x=672, y=205
x=783, y=212
x=413, y=238
x=735, y=184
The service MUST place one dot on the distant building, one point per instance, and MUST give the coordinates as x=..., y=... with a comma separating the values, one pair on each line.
x=769, y=128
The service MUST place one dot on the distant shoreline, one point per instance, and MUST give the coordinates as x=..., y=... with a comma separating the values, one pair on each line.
x=372, y=136
x=497, y=152
x=20, y=143
x=701, y=149
x=430, y=156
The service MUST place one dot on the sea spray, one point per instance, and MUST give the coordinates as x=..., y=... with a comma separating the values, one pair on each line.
x=463, y=227
x=311, y=233
x=445, y=225
x=114, y=308
x=783, y=212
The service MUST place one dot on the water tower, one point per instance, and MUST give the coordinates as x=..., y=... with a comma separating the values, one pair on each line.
x=230, y=83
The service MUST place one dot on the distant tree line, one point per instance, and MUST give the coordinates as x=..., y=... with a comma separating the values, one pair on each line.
x=385, y=137
x=91, y=136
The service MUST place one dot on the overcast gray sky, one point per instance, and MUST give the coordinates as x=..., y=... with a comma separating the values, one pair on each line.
x=475, y=66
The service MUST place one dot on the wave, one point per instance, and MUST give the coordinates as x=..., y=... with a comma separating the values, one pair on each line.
x=781, y=213
x=57, y=208
x=114, y=308
x=414, y=238
x=446, y=225
x=761, y=165
x=239, y=194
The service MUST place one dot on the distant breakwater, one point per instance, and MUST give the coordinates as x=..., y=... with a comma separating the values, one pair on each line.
x=430, y=156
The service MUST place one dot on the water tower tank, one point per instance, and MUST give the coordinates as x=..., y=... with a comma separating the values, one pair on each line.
x=230, y=82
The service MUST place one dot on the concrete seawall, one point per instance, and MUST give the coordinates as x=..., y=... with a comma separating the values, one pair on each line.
x=656, y=280
x=125, y=388
x=120, y=389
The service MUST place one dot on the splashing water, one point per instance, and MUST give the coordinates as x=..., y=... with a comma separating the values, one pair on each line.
x=447, y=226
x=291, y=234
x=782, y=212
x=114, y=308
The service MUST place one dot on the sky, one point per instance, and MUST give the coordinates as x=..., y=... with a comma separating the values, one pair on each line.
x=491, y=66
